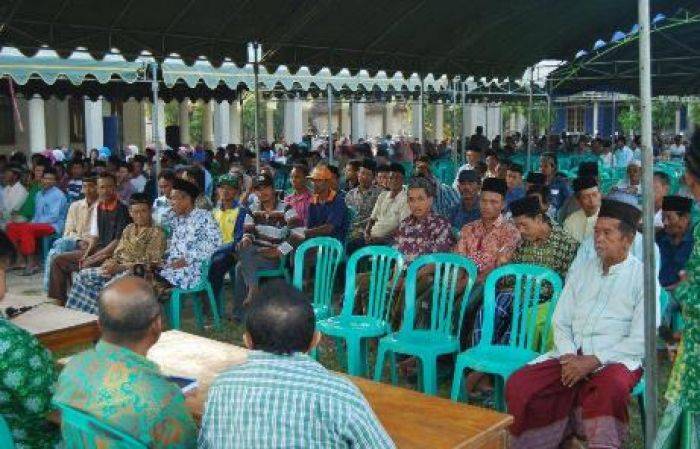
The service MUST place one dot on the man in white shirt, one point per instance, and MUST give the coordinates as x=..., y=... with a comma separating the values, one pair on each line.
x=390, y=208
x=473, y=158
x=623, y=155
x=580, y=224
x=583, y=384
x=14, y=194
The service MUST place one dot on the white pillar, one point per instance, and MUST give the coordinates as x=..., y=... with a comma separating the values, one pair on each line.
x=439, y=121
x=512, y=123
x=161, y=123
x=293, y=110
x=222, y=122
x=207, y=125
x=305, y=114
x=389, y=118
x=269, y=121
x=678, y=121
x=62, y=122
x=94, y=134
x=520, y=123
x=595, y=118
x=184, y=121
x=36, y=124
x=144, y=107
x=357, y=123
x=344, y=112
x=417, y=120
x=689, y=123
x=235, y=122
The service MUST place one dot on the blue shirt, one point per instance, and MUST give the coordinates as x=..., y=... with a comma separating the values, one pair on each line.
x=446, y=199
x=332, y=212
x=208, y=183
x=50, y=208
x=673, y=257
x=559, y=191
x=460, y=215
x=514, y=195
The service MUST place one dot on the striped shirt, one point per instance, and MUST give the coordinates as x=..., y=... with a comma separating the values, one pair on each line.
x=275, y=401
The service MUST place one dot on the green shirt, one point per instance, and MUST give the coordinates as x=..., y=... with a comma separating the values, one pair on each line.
x=27, y=209
x=27, y=377
x=127, y=391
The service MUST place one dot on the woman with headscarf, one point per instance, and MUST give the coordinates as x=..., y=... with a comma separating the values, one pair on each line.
x=683, y=393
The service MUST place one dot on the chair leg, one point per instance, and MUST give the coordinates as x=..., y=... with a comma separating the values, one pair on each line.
x=429, y=369
x=499, y=384
x=457, y=394
x=214, y=306
x=175, y=310
x=394, y=371
x=379, y=365
x=198, y=312
x=354, y=357
x=642, y=415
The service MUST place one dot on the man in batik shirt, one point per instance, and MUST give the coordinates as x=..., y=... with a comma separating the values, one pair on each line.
x=117, y=384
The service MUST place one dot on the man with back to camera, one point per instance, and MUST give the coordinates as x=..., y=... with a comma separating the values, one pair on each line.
x=283, y=397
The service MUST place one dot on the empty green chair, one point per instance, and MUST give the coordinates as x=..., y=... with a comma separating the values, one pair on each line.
x=328, y=256
x=80, y=430
x=203, y=286
x=386, y=266
x=529, y=332
x=6, y=440
x=442, y=334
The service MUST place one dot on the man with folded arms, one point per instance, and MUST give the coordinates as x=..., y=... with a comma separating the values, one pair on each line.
x=108, y=220
x=114, y=381
x=583, y=384
x=280, y=397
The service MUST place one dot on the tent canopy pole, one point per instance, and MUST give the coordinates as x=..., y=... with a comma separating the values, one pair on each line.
x=155, y=121
x=650, y=302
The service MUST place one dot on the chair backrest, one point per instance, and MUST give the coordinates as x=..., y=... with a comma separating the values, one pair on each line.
x=386, y=267
x=329, y=255
x=80, y=430
x=526, y=314
x=6, y=440
x=448, y=268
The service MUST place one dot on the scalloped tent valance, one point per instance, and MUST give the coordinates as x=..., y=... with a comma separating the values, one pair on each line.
x=175, y=69
x=50, y=67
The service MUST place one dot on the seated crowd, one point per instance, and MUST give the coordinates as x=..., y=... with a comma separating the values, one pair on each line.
x=119, y=248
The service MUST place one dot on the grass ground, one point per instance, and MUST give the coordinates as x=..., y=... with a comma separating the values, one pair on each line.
x=231, y=332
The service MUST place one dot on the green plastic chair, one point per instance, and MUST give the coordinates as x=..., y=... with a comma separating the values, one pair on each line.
x=442, y=335
x=203, y=286
x=81, y=430
x=328, y=257
x=386, y=267
x=6, y=440
x=529, y=334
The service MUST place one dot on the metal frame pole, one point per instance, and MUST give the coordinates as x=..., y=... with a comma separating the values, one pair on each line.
x=329, y=91
x=422, y=112
x=613, y=128
x=155, y=120
x=650, y=362
x=453, y=134
x=529, y=123
x=464, y=117
x=256, y=138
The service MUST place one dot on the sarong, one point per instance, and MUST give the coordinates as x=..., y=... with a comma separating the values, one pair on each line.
x=546, y=412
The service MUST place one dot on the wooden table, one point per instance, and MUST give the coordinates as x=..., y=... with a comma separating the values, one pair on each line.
x=57, y=327
x=412, y=419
